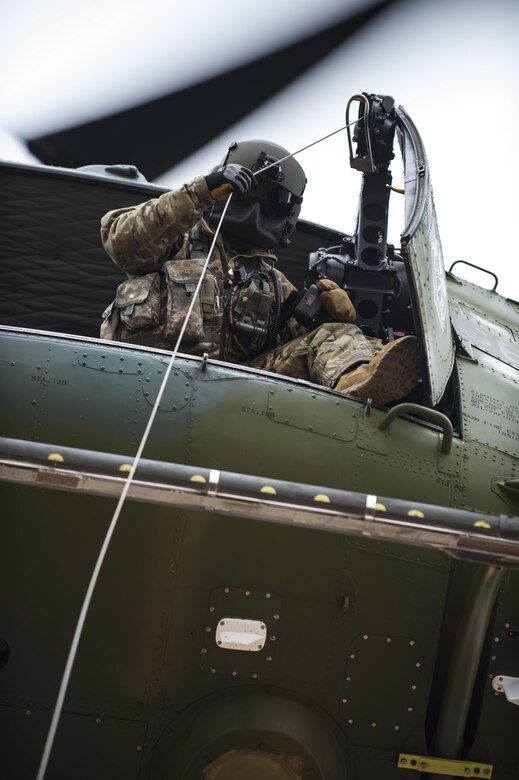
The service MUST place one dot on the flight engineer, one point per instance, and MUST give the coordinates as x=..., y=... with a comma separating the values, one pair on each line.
x=162, y=245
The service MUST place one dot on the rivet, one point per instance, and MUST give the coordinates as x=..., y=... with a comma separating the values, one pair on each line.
x=247, y=592
x=397, y=728
x=268, y=595
x=98, y=720
x=208, y=629
x=496, y=639
x=352, y=655
x=344, y=701
x=272, y=637
x=276, y=616
x=226, y=590
x=269, y=658
x=222, y=623
x=373, y=725
x=235, y=673
x=213, y=670
x=203, y=651
x=402, y=760
x=350, y=721
x=507, y=625
x=409, y=709
x=211, y=609
x=423, y=765
x=413, y=687
x=348, y=679
x=494, y=657
x=28, y=712
x=388, y=640
x=254, y=676
x=139, y=748
x=365, y=636
x=412, y=642
x=418, y=664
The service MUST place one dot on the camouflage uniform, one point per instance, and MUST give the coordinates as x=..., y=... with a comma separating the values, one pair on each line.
x=322, y=355
x=162, y=245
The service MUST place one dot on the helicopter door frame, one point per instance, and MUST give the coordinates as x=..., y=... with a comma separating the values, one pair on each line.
x=422, y=251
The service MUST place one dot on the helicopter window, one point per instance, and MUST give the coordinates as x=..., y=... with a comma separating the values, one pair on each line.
x=241, y=634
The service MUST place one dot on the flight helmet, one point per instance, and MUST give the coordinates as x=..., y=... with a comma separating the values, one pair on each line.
x=267, y=215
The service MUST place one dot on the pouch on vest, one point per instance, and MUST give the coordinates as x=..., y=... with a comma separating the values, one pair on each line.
x=138, y=300
x=182, y=278
x=251, y=304
x=111, y=324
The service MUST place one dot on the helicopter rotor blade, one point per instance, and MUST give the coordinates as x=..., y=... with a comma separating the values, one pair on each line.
x=158, y=134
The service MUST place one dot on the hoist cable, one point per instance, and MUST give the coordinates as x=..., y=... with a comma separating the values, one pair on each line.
x=304, y=148
x=122, y=498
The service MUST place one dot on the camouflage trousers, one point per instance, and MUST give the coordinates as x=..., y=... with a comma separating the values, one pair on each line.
x=321, y=356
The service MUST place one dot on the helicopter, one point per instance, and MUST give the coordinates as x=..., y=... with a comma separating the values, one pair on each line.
x=302, y=584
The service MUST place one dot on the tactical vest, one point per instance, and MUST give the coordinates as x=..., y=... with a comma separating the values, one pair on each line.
x=234, y=318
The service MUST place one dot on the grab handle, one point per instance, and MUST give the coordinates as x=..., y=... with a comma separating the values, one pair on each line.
x=430, y=414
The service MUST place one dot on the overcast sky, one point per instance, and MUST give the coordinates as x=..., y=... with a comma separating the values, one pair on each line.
x=453, y=64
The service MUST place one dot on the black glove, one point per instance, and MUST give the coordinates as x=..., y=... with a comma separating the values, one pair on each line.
x=230, y=178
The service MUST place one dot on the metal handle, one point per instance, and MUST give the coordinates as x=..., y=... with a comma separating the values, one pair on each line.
x=478, y=267
x=430, y=414
x=363, y=167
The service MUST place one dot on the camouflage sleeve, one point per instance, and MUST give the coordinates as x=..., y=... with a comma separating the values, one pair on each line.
x=286, y=286
x=137, y=238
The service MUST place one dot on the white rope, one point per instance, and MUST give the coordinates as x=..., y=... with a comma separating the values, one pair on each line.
x=304, y=148
x=122, y=498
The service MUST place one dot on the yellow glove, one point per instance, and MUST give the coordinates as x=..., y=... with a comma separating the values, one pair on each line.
x=336, y=301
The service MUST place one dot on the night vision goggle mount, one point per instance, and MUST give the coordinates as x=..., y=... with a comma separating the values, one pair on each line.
x=273, y=170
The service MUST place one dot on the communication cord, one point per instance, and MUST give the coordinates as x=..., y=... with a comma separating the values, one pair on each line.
x=122, y=498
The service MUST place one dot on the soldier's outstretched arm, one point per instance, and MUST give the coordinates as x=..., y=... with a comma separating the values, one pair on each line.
x=138, y=238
